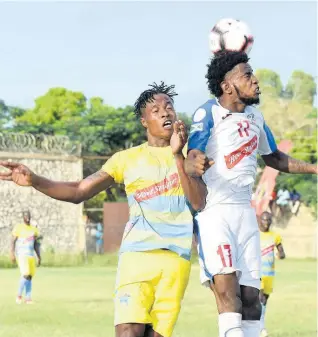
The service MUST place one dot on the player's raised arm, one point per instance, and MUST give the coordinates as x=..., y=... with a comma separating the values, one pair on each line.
x=194, y=188
x=285, y=163
x=279, y=160
x=74, y=192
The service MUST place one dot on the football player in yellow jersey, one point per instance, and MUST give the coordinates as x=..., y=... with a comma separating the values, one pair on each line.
x=24, y=245
x=269, y=241
x=154, y=261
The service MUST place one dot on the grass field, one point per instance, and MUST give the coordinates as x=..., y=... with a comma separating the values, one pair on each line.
x=77, y=302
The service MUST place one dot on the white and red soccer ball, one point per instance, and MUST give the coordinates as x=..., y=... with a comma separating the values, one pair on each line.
x=230, y=35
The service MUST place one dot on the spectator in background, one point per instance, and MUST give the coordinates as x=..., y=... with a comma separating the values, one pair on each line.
x=99, y=238
x=283, y=198
x=294, y=202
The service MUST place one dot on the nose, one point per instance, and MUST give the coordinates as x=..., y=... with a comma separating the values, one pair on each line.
x=164, y=113
x=254, y=79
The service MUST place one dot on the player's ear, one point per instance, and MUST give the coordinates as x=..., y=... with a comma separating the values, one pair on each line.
x=226, y=88
x=143, y=122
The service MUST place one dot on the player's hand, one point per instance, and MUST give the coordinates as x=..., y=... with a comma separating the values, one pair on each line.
x=12, y=258
x=18, y=173
x=39, y=262
x=196, y=164
x=179, y=137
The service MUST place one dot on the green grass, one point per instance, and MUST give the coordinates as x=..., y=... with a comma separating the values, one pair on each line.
x=77, y=302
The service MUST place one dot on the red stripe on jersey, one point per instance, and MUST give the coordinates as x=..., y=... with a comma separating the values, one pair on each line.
x=244, y=151
x=268, y=250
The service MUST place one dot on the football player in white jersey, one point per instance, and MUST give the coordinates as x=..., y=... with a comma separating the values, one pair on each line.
x=231, y=131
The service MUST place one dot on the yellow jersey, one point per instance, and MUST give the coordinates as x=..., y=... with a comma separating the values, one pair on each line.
x=160, y=217
x=26, y=236
x=269, y=240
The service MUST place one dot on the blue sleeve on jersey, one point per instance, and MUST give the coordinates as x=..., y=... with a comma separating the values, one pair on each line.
x=201, y=130
x=270, y=138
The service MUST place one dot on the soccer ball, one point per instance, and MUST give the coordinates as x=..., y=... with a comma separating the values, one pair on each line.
x=230, y=35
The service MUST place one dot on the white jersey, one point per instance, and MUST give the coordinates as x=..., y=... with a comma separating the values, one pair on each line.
x=232, y=140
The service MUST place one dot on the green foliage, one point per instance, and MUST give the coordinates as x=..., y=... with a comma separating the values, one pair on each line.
x=301, y=87
x=56, y=112
x=269, y=81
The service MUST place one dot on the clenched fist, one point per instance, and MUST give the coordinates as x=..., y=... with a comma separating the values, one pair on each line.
x=197, y=163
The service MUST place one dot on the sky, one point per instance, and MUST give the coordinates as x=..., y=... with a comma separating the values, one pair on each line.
x=115, y=49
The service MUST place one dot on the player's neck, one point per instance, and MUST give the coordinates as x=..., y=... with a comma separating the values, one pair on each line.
x=157, y=142
x=232, y=106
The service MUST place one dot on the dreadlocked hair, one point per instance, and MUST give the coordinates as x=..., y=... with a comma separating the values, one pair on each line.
x=219, y=66
x=148, y=95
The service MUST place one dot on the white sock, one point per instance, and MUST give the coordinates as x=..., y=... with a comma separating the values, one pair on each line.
x=230, y=325
x=251, y=328
x=263, y=317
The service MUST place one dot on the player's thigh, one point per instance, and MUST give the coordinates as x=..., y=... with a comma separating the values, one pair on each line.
x=216, y=243
x=31, y=265
x=267, y=284
x=249, y=250
x=134, y=291
x=25, y=265
x=169, y=293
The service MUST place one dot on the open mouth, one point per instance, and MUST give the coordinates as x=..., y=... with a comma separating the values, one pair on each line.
x=257, y=91
x=167, y=125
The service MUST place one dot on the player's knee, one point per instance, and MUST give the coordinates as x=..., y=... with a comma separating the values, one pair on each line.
x=251, y=305
x=227, y=294
x=130, y=330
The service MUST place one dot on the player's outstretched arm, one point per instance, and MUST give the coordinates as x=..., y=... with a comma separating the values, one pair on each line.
x=193, y=187
x=284, y=163
x=74, y=192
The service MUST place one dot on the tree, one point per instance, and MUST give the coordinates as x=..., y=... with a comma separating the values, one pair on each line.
x=301, y=87
x=56, y=112
x=4, y=115
x=269, y=81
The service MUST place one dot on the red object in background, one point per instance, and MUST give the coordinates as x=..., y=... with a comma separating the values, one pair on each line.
x=266, y=185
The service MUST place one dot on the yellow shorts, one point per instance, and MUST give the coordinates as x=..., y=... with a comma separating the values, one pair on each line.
x=267, y=283
x=27, y=265
x=149, y=289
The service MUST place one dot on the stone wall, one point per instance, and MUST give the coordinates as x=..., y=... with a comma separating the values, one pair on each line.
x=60, y=223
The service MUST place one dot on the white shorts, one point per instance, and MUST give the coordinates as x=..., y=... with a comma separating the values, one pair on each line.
x=229, y=241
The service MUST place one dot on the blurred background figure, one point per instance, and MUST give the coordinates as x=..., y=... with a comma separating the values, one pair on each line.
x=294, y=202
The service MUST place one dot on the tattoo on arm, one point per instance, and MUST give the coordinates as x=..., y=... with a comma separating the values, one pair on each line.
x=96, y=175
x=284, y=163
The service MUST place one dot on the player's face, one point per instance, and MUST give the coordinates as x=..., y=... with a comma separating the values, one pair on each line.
x=26, y=217
x=159, y=116
x=245, y=84
x=266, y=220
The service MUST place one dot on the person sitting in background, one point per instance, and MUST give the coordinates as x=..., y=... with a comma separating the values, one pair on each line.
x=294, y=202
x=283, y=198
